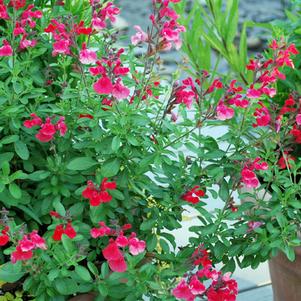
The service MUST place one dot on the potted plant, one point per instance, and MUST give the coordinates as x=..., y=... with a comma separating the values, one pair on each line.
x=99, y=158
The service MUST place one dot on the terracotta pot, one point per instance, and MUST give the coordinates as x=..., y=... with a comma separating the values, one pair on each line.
x=84, y=297
x=286, y=277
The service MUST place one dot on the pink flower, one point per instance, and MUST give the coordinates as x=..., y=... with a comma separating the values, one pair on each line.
x=182, y=291
x=196, y=286
x=61, y=126
x=6, y=49
x=102, y=231
x=61, y=47
x=38, y=241
x=24, y=43
x=136, y=246
x=140, y=36
x=223, y=112
x=122, y=241
x=87, y=56
x=262, y=115
x=3, y=11
x=98, y=23
x=103, y=86
x=217, y=84
x=298, y=119
x=120, y=91
x=25, y=247
x=114, y=257
x=252, y=225
x=35, y=121
x=249, y=178
x=47, y=131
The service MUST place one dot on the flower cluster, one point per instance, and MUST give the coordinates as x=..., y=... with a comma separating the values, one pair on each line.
x=248, y=175
x=47, y=129
x=99, y=195
x=23, y=25
x=25, y=246
x=222, y=287
x=64, y=228
x=169, y=28
x=111, y=72
x=100, y=16
x=4, y=237
x=65, y=35
x=193, y=195
x=112, y=252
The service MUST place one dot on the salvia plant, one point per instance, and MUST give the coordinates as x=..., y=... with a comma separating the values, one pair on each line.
x=100, y=159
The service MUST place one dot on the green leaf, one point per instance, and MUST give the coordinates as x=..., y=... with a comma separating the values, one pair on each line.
x=116, y=143
x=83, y=273
x=9, y=139
x=67, y=244
x=147, y=224
x=103, y=289
x=81, y=163
x=11, y=272
x=39, y=175
x=31, y=213
x=65, y=286
x=21, y=150
x=110, y=168
x=224, y=191
x=15, y=190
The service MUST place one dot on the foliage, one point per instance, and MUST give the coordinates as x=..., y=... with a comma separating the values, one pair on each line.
x=99, y=158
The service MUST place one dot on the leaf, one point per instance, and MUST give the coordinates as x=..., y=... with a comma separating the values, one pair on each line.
x=67, y=244
x=15, y=190
x=65, y=286
x=39, y=175
x=83, y=273
x=31, y=213
x=81, y=163
x=11, y=272
x=21, y=150
x=9, y=139
x=110, y=168
x=116, y=143
x=5, y=157
x=224, y=191
x=103, y=289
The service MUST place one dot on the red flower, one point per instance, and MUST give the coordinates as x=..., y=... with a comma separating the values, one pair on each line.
x=89, y=116
x=4, y=238
x=119, y=265
x=98, y=196
x=193, y=195
x=17, y=4
x=47, y=131
x=283, y=162
x=60, y=230
x=18, y=254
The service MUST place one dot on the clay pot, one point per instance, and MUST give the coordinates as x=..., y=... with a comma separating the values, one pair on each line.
x=286, y=277
x=84, y=297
